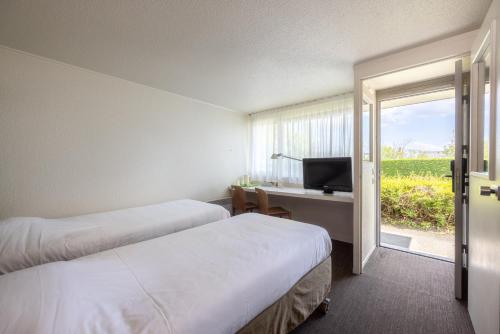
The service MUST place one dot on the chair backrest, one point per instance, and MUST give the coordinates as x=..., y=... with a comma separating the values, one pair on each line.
x=262, y=201
x=238, y=198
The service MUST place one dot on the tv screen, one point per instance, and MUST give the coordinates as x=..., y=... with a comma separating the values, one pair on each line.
x=332, y=172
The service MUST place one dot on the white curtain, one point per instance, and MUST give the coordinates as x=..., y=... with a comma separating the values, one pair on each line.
x=315, y=130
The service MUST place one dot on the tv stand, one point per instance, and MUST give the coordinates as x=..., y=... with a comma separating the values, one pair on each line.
x=327, y=190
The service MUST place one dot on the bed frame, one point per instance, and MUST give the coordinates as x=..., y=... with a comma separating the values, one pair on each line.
x=308, y=294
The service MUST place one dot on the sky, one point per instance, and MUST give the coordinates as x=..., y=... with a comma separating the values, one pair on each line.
x=425, y=126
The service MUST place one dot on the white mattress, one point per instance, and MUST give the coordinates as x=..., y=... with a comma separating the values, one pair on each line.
x=25, y=242
x=211, y=279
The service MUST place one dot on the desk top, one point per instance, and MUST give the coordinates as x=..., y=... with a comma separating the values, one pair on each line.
x=337, y=196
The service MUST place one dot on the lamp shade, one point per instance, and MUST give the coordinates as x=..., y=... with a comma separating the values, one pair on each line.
x=281, y=155
x=276, y=155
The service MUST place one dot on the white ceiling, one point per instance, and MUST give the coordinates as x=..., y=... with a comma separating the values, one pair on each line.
x=243, y=55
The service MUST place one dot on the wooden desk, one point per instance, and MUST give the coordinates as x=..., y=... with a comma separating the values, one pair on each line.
x=306, y=193
x=331, y=211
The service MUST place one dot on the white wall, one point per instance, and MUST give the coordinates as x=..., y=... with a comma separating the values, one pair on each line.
x=74, y=141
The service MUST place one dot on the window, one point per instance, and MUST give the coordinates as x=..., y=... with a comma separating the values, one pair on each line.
x=485, y=112
x=314, y=130
x=483, y=131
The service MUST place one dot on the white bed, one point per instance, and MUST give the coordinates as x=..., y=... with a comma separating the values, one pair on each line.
x=30, y=241
x=211, y=279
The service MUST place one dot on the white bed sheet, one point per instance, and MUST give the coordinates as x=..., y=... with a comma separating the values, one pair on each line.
x=30, y=241
x=212, y=279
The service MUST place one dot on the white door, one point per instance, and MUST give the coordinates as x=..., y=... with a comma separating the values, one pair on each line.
x=459, y=171
x=484, y=203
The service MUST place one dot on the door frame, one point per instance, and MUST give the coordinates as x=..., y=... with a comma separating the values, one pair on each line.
x=456, y=83
x=455, y=46
x=402, y=91
x=370, y=98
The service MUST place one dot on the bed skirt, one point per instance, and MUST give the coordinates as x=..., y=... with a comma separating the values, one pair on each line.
x=296, y=305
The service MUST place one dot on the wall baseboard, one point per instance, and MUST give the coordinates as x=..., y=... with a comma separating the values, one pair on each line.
x=225, y=202
x=367, y=257
x=221, y=201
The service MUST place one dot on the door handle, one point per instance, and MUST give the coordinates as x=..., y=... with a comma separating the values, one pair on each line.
x=488, y=191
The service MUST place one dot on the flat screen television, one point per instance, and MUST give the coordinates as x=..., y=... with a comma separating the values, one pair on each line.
x=328, y=174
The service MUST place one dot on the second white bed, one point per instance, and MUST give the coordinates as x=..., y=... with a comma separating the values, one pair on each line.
x=30, y=241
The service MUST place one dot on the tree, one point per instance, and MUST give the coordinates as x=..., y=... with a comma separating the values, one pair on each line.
x=449, y=149
x=396, y=151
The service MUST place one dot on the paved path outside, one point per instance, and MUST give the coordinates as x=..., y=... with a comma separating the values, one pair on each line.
x=429, y=242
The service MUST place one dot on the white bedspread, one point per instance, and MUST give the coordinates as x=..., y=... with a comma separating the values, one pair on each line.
x=211, y=279
x=25, y=242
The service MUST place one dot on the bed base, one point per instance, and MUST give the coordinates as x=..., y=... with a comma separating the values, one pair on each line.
x=308, y=294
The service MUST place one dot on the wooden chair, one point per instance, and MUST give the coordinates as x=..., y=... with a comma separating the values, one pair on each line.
x=263, y=203
x=239, y=200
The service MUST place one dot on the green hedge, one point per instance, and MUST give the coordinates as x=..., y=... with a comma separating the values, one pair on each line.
x=423, y=202
x=422, y=167
x=416, y=194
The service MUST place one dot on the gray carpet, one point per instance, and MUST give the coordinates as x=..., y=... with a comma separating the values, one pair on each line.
x=398, y=293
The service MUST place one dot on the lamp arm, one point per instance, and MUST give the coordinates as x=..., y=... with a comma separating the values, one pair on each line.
x=286, y=156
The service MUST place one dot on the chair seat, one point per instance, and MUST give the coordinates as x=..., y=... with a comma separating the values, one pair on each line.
x=278, y=211
x=250, y=206
x=263, y=203
x=239, y=202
